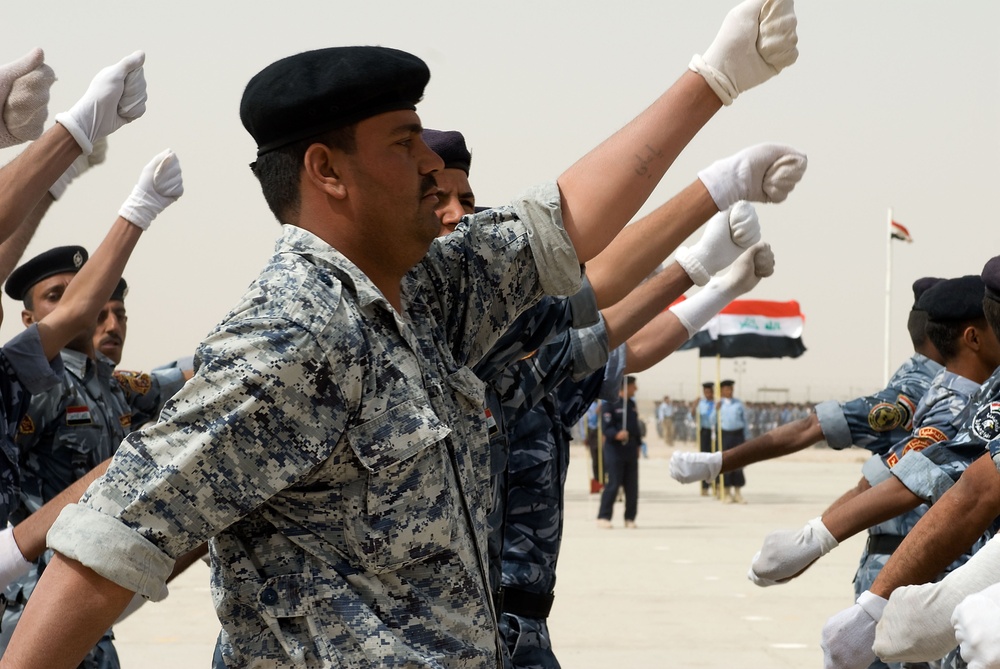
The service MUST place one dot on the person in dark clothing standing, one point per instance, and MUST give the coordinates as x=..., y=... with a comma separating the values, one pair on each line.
x=622, y=441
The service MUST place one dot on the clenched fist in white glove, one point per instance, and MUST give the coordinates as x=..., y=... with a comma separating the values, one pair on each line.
x=160, y=184
x=847, y=636
x=917, y=622
x=24, y=89
x=755, y=263
x=759, y=173
x=787, y=552
x=756, y=41
x=726, y=236
x=116, y=96
x=688, y=467
x=12, y=564
x=977, y=628
x=79, y=166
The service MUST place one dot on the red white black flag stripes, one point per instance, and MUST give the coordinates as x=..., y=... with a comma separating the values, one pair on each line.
x=752, y=329
x=899, y=232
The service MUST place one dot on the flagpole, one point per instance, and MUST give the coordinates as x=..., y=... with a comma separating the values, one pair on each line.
x=888, y=294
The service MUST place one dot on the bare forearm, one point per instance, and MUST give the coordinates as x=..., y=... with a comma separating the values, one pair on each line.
x=644, y=306
x=30, y=533
x=12, y=249
x=946, y=531
x=661, y=337
x=27, y=178
x=783, y=440
x=643, y=245
x=69, y=610
x=90, y=289
x=865, y=506
x=603, y=190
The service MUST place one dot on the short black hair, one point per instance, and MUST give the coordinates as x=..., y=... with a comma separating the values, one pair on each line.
x=946, y=334
x=991, y=312
x=279, y=171
x=916, y=324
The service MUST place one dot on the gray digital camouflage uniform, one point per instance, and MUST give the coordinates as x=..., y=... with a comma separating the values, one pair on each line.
x=335, y=451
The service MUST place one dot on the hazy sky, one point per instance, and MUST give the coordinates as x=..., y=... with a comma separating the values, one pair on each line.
x=895, y=102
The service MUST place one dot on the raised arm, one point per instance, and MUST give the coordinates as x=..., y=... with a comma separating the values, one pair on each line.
x=604, y=189
x=159, y=185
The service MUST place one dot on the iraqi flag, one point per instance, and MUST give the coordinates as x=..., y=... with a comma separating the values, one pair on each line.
x=752, y=329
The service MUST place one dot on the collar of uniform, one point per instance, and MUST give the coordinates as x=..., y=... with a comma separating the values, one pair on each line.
x=105, y=365
x=75, y=362
x=922, y=359
x=305, y=243
x=959, y=383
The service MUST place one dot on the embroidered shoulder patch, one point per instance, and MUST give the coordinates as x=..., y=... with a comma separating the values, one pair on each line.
x=907, y=407
x=986, y=424
x=26, y=426
x=884, y=417
x=136, y=382
x=79, y=415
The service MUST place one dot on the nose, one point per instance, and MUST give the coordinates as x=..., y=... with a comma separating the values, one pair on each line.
x=429, y=161
x=450, y=210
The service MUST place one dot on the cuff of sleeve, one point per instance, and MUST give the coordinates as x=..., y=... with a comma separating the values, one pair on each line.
x=922, y=477
x=583, y=306
x=614, y=373
x=872, y=604
x=540, y=210
x=171, y=379
x=834, y=425
x=875, y=470
x=589, y=348
x=113, y=550
x=27, y=357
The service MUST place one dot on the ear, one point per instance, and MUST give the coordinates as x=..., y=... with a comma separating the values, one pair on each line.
x=971, y=338
x=323, y=167
x=27, y=317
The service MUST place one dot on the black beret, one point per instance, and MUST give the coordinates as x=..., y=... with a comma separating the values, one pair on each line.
x=922, y=284
x=59, y=260
x=991, y=277
x=450, y=145
x=726, y=383
x=310, y=93
x=630, y=379
x=708, y=384
x=958, y=299
x=121, y=291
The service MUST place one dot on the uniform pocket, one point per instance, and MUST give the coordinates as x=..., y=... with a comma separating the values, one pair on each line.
x=409, y=510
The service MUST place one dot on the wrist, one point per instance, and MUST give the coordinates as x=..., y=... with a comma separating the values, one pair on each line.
x=872, y=604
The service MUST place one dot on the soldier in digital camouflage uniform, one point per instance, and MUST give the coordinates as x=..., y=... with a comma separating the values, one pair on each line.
x=329, y=442
x=873, y=422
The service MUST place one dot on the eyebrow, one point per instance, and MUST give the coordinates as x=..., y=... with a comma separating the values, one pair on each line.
x=409, y=128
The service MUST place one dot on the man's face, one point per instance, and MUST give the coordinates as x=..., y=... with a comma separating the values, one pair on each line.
x=391, y=183
x=456, y=198
x=708, y=392
x=46, y=294
x=727, y=391
x=630, y=389
x=112, y=326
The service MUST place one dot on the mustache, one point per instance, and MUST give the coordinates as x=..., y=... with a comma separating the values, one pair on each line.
x=111, y=339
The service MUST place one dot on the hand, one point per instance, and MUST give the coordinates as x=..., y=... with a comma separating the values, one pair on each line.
x=79, y=166
x=622, y=435
x=785, y=553
x=160, y=185
x=24, y=88
x=12, y=564
x=726, y=236
x=690, y=467
x=917, y=622
x=976, y=620
x=847, y=636
x=756, y=41
x=756, y=263
x=116, y=96
x=759, y=173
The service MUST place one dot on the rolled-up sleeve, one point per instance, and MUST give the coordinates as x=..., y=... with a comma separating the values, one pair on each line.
x=834, y=424
x=540, y=210
x=922, y=477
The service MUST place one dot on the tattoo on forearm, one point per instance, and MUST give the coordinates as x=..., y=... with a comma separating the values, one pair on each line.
x=643, y=161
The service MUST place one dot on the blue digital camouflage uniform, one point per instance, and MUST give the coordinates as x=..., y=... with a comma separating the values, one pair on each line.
x=938, y=418
x=876, y=422
x=336, y=453
x=67, y=431
x=23, y=371
x=545, y=396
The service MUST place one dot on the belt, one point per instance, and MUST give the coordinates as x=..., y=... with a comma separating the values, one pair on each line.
x=883, y=544
x=523, y=603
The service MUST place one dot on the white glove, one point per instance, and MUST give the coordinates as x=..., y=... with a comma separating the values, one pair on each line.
x=787, y=552
x=756, y=41
x=24, y=88
x=977, y=623
x=726, y=236
x=917, y=622
x=116, y=96
x=755, y=263
x=759, y=173
x=12, y=564
x=137, y=601
x=690, y=467
x=160, y=184
x=79, y=166
x=848, y=635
